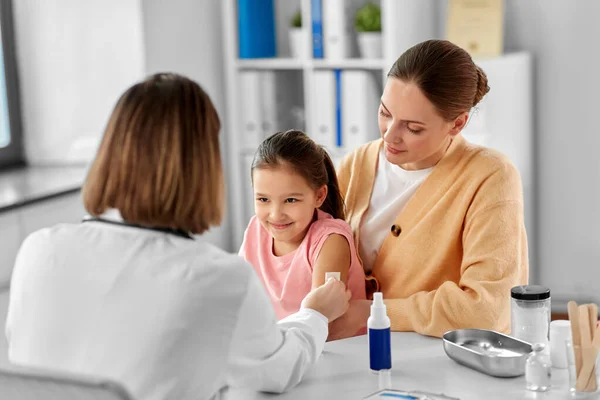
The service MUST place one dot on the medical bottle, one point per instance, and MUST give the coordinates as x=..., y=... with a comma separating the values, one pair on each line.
x=380, y=352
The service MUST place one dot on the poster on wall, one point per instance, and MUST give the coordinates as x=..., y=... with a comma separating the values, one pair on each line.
x=477, y=26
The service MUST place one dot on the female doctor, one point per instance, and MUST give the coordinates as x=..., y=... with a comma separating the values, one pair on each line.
x=130, y=295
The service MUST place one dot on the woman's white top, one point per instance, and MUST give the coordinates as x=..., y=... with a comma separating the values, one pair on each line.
x=168, y=317
x=392, y=190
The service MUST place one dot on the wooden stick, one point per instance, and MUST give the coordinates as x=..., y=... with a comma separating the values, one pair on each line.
x=586, y=381
x=583, y=375
x=592, y=385
x=587, y=354
x=593, y=311
x=596, y=344
x=596, y=340
x=575, y=336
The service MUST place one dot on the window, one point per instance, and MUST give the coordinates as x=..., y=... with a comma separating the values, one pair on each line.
x=4, y=124
x=11, y=149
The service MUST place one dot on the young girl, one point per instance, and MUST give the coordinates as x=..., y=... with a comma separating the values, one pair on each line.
x=298, y=233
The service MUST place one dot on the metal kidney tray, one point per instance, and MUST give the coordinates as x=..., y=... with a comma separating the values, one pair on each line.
x=490, y=352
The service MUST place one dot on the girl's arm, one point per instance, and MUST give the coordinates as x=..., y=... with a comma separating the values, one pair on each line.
x=333, y=257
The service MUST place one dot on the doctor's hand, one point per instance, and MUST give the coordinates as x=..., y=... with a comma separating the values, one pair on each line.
x=352, y=323
x=330, y=299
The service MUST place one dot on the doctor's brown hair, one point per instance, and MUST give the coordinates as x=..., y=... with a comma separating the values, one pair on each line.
x=159, y=161
x=445, y=73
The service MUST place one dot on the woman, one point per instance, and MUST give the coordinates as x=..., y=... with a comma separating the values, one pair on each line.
x=438, y=222
x=129, y=294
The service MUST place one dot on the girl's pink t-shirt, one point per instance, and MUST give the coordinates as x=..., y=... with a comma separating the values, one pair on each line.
x=288, y=278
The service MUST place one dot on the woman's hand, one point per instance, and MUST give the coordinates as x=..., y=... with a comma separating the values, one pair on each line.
x=352, y=323
x=330, y=299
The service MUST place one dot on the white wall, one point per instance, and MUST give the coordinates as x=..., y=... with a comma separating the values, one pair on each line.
x=77, y=57
x=74, y=59
x=563, y=38
x=184, y=36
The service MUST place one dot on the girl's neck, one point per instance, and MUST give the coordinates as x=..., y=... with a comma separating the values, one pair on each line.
x=281, y=249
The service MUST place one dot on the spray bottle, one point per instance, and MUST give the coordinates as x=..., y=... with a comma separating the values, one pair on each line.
x=380, y=351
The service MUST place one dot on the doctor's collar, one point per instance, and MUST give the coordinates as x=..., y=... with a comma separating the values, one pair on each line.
x=113, y=217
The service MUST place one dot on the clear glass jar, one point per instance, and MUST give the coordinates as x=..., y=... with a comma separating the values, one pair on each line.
x=530, y=314
x=538, y=369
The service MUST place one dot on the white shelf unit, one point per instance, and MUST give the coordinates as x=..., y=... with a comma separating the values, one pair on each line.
x=280, y=64
x=296, y=79
x=270, y=64
x=351, y=63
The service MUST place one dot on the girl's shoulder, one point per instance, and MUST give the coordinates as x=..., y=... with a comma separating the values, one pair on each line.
x=323, y=228
x=326, y=225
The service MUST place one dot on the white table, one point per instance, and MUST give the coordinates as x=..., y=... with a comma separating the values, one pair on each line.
x=418, y=362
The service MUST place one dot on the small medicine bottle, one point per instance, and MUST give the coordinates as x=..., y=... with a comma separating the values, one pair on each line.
x=538, y=369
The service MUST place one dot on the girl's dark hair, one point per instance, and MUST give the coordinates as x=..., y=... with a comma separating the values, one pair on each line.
x=296, y=150
x=445, y=73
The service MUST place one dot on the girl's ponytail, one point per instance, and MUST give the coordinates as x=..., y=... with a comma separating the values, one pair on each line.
x=334, y=203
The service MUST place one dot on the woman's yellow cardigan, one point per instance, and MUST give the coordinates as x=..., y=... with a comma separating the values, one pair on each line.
x=462, y=243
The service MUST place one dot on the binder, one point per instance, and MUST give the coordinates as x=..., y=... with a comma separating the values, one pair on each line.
x=325, y=126
x=269, y=123
x=406, y=23
x=336, y=33
x=250, y=110
x=317, y=28
x=337, y=159
x=359, y=103
x=256, y=28
x=338, y=107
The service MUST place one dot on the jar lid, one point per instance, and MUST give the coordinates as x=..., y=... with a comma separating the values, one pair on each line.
x=530, y=292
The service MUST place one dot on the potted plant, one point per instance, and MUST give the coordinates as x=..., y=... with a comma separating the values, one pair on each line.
x=367, y=22
x=298, y=45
